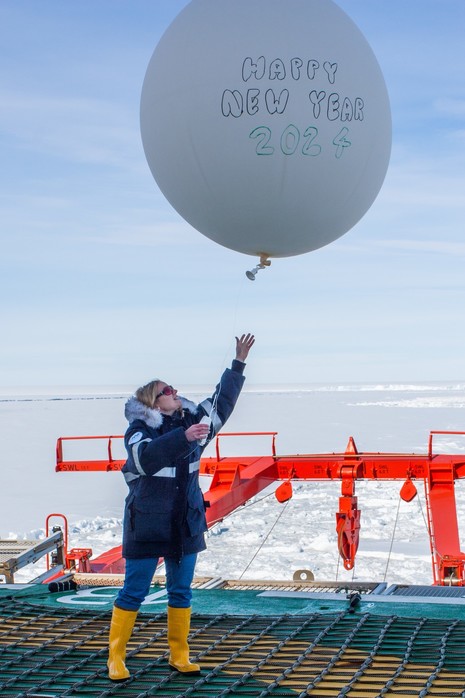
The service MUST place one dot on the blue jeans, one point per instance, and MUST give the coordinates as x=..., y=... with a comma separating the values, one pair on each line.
x=139, y=574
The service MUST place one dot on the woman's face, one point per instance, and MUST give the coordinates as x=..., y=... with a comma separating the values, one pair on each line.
x=167, y=399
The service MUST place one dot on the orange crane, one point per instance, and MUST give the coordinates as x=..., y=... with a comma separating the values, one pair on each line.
x=235, y=480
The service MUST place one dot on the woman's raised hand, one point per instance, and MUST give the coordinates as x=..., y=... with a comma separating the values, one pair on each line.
x=243, y=346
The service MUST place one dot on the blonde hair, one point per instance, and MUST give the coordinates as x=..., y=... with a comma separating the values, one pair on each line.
x=147, y=394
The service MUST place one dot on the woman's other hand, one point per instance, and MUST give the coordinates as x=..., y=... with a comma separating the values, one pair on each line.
x=243, y=346
x=197, y=432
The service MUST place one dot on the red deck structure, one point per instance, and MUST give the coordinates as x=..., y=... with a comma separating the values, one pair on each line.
x=235, y=480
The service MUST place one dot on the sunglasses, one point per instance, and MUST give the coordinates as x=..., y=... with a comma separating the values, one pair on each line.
x=167, y=390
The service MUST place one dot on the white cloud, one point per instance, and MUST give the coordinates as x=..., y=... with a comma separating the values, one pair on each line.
x=428, y=246
x=79, y=130
x=451, y=107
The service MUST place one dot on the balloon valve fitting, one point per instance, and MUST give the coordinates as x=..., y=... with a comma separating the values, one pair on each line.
x=264, y=262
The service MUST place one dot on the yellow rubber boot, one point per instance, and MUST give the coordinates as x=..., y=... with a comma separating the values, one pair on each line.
x=122, y=623
x=179, y=623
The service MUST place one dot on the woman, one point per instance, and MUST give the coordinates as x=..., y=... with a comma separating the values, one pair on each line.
x=164, y=511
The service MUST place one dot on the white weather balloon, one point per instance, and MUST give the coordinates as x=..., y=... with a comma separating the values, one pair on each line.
x=266, y=123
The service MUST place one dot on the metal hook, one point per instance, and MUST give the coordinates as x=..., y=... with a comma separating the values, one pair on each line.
x=264, y=262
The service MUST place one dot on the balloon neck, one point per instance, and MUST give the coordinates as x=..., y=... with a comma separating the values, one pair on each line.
x=264, y=262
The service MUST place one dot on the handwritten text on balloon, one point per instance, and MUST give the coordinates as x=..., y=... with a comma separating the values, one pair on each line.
x=321, y=103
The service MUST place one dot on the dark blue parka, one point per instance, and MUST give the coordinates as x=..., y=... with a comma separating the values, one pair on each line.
x=164, y=513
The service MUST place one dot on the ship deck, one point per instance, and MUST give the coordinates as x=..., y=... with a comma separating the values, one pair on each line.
x=251, y=639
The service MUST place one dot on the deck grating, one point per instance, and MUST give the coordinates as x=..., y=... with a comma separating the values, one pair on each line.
x=48, y=651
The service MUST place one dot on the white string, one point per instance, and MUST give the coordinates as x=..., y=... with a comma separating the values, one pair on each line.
x=337, y=565
x=231, y=343
x=422, y=513
x=241, y=287
x=434, y=550
x=392, y=540
x=266, y=538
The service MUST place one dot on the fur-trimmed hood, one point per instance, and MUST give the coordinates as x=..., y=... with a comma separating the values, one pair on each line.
x=134, y=409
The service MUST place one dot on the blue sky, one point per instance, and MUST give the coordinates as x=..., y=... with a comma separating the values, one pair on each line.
x=102, y=282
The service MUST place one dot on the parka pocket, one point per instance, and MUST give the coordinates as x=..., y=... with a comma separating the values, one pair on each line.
x=149, y=525
x=196, y=520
